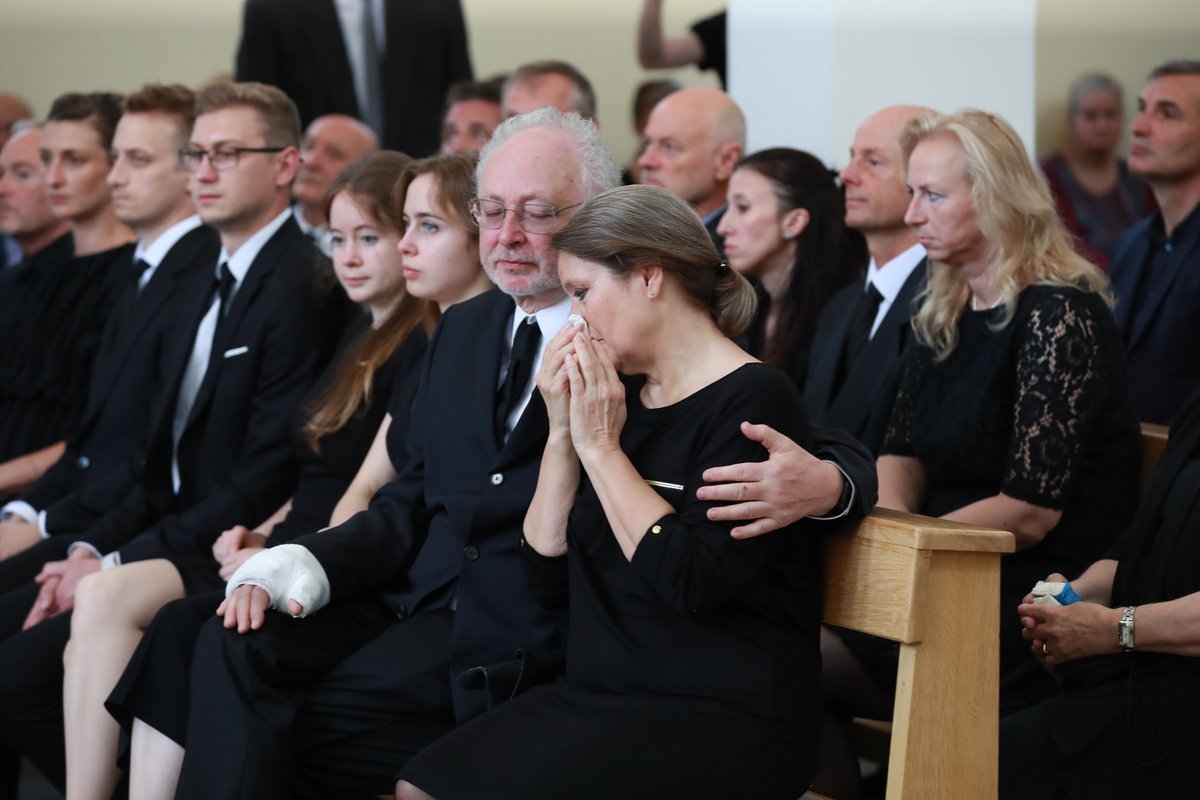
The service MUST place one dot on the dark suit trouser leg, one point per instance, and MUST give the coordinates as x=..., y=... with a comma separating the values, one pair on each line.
x=246, y=690
x=14, y=606
x=362, y=723
x=31, y=681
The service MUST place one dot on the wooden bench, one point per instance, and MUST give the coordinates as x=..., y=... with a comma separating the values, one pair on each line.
x=934, y=587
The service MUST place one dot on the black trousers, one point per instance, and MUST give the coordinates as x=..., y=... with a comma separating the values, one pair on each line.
x=328, y=706
x=17, y=592
x=31, y=685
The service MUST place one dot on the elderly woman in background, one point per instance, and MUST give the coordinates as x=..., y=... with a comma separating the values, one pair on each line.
x=1096, y=196
x=1124, y=723
x=1013, y=411
x=785, y=225
x=692, y=656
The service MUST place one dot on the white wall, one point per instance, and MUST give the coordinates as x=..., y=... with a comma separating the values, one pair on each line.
x=814, y=70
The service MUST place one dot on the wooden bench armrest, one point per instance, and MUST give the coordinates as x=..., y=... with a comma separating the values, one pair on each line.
x=934, y=587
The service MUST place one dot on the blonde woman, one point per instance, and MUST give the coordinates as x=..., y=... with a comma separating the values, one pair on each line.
x=1013, y=410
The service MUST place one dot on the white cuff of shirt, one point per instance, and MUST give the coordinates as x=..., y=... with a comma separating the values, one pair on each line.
x=91, y=548
x=285, y=572
x=18, y=508
x=841, y=509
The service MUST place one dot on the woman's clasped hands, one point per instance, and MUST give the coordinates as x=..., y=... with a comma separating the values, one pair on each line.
x=585, y=399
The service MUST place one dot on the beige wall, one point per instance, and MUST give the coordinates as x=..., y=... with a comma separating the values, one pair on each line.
x=1125, y=39
x=50, y=46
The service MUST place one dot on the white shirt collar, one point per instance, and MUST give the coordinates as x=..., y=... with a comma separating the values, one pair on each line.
x=318, y=233
x=240, y=262
x=890, y=278
x=154, y=252
x=550, y=319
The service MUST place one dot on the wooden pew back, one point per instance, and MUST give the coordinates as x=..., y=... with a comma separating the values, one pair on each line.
x=934, y=587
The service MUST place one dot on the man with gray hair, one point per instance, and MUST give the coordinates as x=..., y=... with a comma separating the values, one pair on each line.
x=335, y=703
x=384, y=677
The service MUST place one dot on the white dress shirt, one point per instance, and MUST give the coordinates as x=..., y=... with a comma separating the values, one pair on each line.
x=889, y=279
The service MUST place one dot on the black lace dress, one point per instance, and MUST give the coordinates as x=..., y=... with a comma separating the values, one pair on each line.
x=1038, y=410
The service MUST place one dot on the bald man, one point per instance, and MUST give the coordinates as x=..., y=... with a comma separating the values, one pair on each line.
x=864, y=328
x=693, y=139
x=331, y=143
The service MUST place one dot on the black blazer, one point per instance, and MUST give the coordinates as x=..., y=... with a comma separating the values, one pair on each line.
x=863, y=403
x=94, y=473
x=449, y=529
x=298, y=46
x=235, y=459
x=1164, y=361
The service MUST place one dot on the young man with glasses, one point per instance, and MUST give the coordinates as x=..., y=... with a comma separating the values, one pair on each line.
x=249, y=345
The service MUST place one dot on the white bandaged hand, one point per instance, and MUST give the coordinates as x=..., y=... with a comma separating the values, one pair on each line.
x=285, y=572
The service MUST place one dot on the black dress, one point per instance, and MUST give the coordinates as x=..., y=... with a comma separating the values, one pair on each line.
x=1038, y=410
x=54, y=308
x=154, y=686
x=1125, y=725
x=692, y=670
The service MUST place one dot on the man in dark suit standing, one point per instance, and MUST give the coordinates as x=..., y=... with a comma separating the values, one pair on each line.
x=853, y=364
x=252, y=338
x=1155, y=269
x=387, y=62
x=150, y=194
x=332, y=705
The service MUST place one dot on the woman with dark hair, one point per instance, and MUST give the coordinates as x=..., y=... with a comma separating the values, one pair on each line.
x=46, y=352
x=370, y=206
x=692, y=656
x=785, y=225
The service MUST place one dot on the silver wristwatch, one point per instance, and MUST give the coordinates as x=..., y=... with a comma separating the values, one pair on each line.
x=1125, y=629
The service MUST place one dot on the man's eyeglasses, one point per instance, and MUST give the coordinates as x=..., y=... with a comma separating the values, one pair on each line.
x=531, y=217
x=221, y=158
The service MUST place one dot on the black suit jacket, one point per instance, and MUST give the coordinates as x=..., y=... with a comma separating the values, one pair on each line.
x=235, y=458
x=94, y=472
x=447, y=533
x=298, y=46
x=863, y=403
x=1161, y=344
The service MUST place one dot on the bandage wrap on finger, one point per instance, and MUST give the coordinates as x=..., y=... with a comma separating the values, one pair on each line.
x=1054, y=593
x=286, y=572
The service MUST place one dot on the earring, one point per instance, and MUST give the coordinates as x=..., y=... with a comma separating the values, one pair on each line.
x=789, y=235
x=651, y=294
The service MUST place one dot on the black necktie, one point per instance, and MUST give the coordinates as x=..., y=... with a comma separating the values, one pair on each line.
x=225, y=286
x=520, y=367
x=858, y=332
x=139, y=269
